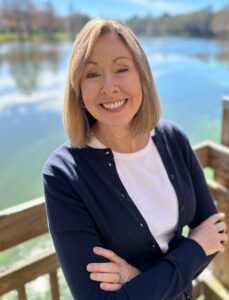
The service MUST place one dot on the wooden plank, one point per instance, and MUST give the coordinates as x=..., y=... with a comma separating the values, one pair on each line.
x=54, y=286
x=219, y=159
x=222, y=178
x=202, y=150
x=201, y=297
x=197, y=289
x=219, y=192
x=13, y=277
x=220, y=264
x=22, y=293
x=22, y=222
x=225, y=122
x=213, y=288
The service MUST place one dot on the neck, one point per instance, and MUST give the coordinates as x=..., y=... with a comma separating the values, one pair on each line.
x=120, y=139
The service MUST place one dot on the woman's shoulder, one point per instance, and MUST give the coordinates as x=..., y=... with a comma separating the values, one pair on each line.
x=62, y=158
x=169, y=128
x=174, y=137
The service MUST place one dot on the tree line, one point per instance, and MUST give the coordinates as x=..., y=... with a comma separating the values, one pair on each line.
x=24, y=16
x=204, y=23
x=17, y=16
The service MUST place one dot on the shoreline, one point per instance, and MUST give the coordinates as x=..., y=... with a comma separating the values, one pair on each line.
x=25, y=36
x=13, y=36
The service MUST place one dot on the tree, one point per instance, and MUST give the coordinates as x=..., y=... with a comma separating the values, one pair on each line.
x=220, y=23
x=18, y=14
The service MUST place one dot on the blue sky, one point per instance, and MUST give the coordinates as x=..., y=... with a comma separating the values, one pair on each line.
x=126, y=8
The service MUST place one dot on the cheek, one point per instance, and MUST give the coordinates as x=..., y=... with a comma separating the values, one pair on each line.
x=137, y=89
x=89, y=92
x=85, y=92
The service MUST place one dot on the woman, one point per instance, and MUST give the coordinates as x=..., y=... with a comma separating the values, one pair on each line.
x=119, y=193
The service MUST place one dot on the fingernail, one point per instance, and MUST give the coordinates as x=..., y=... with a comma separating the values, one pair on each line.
x=88, y=267
x=96, y=248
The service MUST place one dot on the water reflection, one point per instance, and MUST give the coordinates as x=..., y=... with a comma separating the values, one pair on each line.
x=26, y=60
x=222, y=57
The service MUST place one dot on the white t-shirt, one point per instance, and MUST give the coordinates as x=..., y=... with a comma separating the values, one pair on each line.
x=146, y=181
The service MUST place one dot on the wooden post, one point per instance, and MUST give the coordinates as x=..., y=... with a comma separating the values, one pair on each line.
x=225, y=125
x=54, y=286
x=220, y=265
x=22, y=293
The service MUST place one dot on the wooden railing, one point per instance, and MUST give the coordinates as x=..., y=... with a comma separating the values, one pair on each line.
x=27, y=221
x=213, y=284
x=19, y=224
x=215, y=157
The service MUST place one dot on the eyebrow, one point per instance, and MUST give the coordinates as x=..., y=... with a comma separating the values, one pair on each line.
x=114, y=60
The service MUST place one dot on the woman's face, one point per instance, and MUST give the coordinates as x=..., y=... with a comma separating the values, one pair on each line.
x=110, y=84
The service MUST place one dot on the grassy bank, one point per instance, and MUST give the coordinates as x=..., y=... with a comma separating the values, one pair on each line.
x=34, y=36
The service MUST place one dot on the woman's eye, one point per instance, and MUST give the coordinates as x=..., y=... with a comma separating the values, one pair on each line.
x=122, y=70
x=92, y=75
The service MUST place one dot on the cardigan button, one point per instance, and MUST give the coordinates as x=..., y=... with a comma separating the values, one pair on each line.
x=172, y=176
x=141, y=225
x=123, y=196
x=182, y=208
x=110, y=165
x=108, y=152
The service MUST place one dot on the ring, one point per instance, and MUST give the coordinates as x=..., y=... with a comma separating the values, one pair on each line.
x=120, y=279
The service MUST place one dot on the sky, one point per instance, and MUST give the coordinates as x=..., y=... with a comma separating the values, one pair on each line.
x=124, y=9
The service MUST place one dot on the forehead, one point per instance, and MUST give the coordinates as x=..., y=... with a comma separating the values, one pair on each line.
x=109, y=45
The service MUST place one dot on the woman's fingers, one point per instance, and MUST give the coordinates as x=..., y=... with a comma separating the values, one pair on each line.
x=113, y=274
x=221, y=226
x=211, y=234
x=215, y=218
x=105, y=277
x=110, y=287
x=108, y=267
x=109, y=255
x=223, y=238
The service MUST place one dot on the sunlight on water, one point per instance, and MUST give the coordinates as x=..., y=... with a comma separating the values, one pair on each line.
x=49, y=96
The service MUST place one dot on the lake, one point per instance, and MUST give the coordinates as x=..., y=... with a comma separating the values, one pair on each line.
x=191, y=76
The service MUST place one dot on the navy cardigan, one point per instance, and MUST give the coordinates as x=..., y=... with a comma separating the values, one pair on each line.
x=87, y=205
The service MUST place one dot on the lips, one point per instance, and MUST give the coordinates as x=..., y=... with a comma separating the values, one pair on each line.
x=114, y=105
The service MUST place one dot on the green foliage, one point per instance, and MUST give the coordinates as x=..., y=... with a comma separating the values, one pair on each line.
x=204, y=23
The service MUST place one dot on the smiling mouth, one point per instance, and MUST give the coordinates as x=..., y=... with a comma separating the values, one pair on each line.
x=114, y=105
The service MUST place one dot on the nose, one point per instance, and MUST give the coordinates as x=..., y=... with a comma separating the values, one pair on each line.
x=109, y=84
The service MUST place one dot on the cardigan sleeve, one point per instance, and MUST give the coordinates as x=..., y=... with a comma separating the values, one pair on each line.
x=205, y=206
x=75, y=233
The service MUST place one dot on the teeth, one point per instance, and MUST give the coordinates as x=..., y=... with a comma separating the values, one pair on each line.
x=113, y=105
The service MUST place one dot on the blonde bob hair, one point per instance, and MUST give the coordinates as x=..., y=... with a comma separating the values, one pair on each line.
x=77, y=120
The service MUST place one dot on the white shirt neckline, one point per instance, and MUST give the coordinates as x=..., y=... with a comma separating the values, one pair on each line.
x=95, y=143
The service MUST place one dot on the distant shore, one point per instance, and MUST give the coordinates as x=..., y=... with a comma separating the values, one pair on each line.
x=5, y=37
x=44, y=25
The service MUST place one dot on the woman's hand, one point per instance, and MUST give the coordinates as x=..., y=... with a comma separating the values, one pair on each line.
x=211, y=234
x=113, y=274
